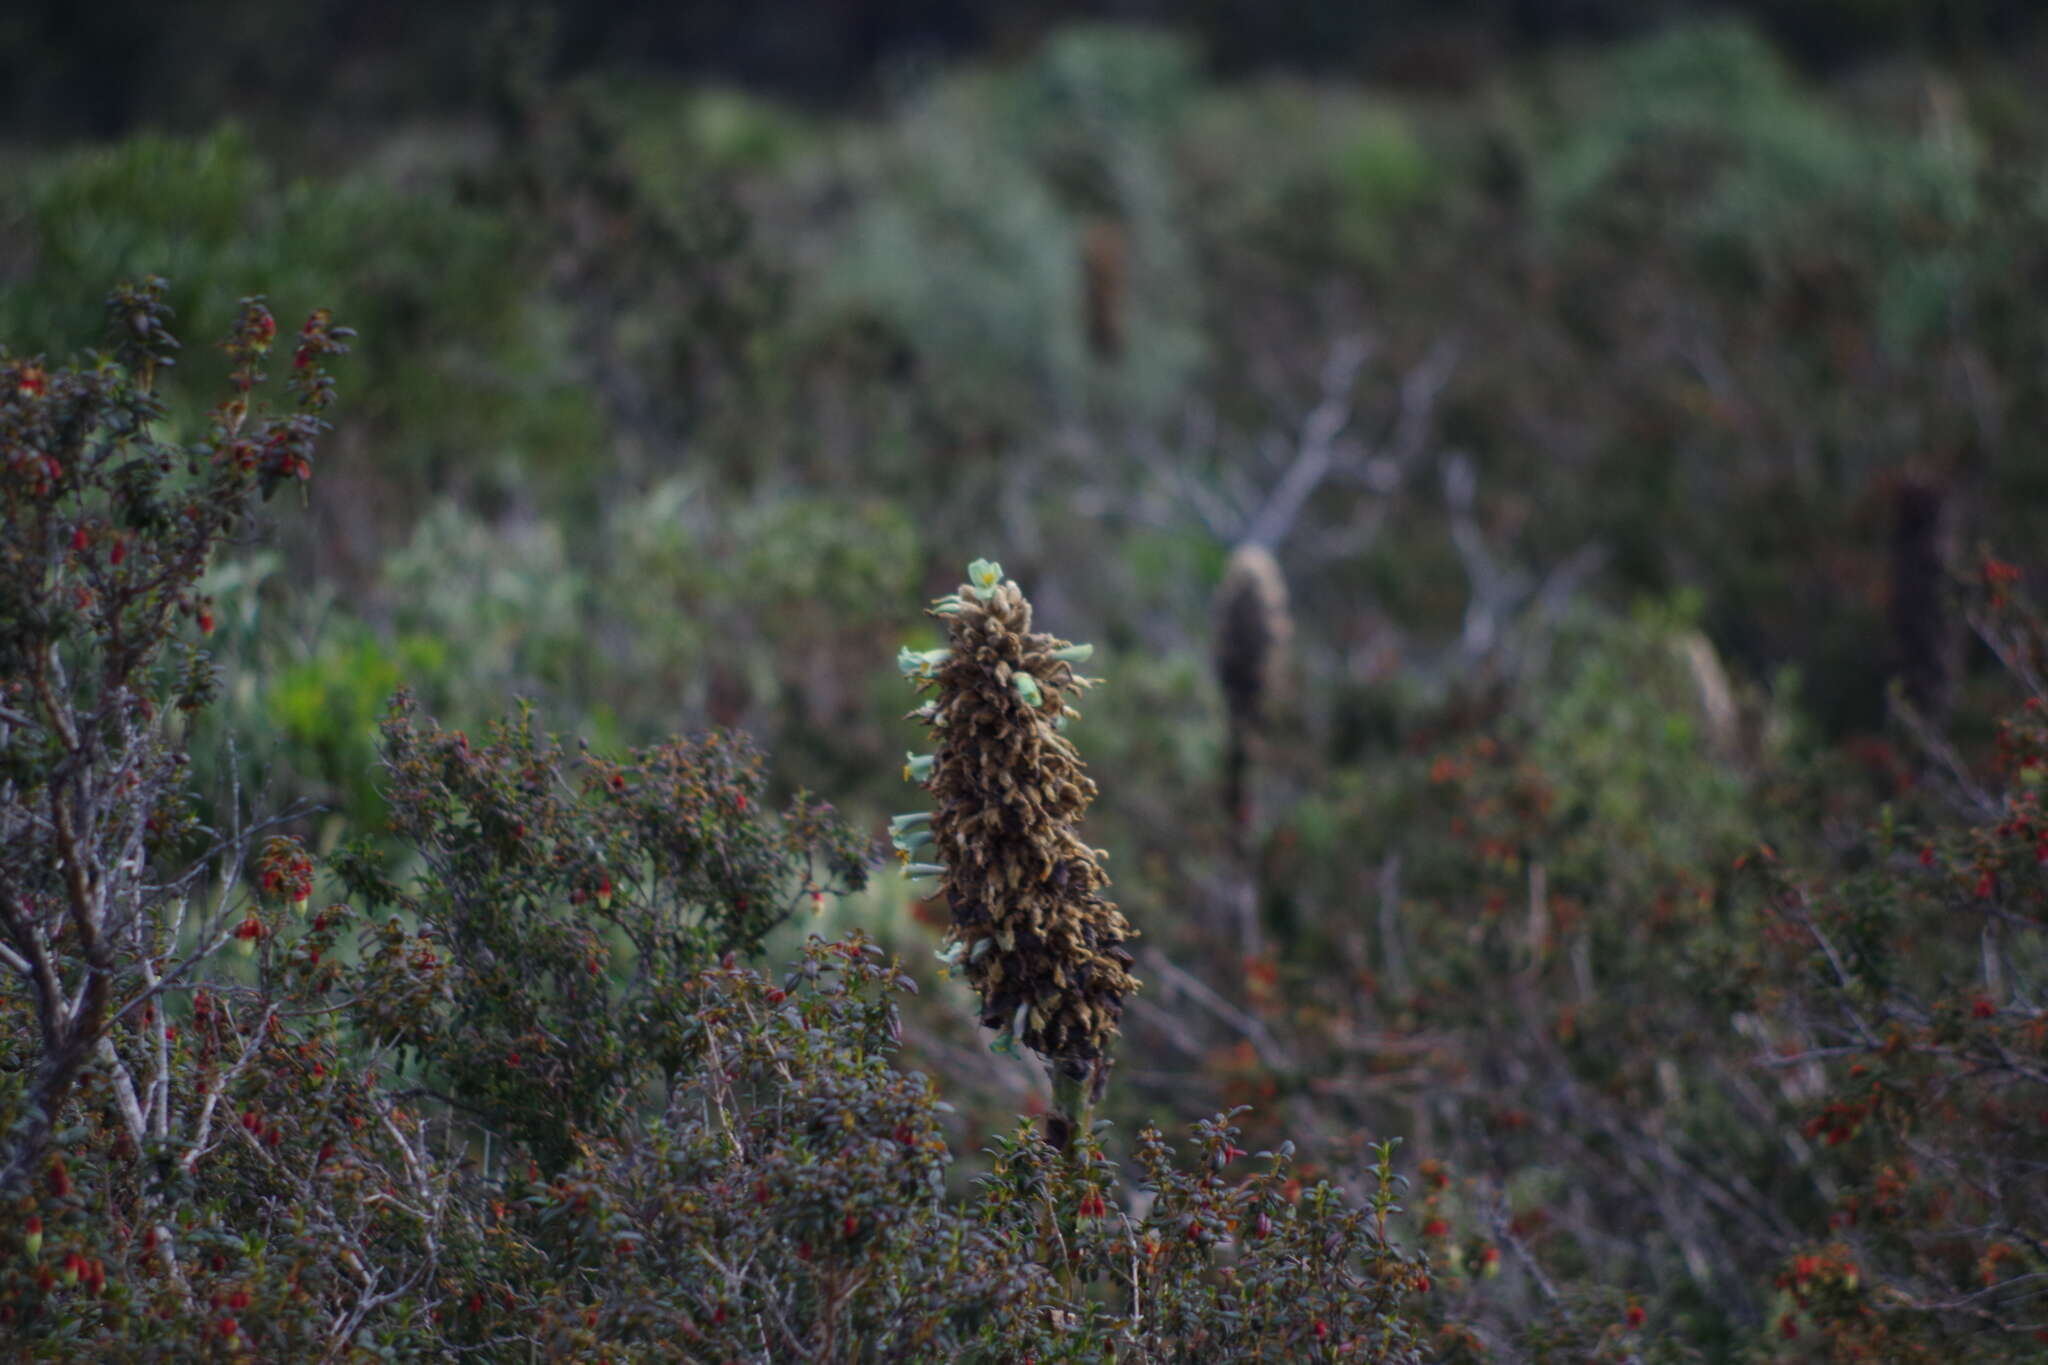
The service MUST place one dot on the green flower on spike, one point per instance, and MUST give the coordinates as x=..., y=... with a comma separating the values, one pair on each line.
x=984, y=575
x=919, y=663
x=910, y=842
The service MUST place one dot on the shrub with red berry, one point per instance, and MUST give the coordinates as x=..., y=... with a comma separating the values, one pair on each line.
x=568, y=904
x=1222, y=1255
x=1904, y=994
x=193, y=1165
x=106, y=526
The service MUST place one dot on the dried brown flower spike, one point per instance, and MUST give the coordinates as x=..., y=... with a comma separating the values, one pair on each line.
x=1253, y=631
x=1030, y=927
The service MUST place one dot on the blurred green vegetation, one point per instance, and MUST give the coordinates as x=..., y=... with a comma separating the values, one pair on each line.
x=461, y=371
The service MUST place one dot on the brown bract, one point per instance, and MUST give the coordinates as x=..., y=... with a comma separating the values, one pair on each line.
x=1039, y=942
x=1253, y=631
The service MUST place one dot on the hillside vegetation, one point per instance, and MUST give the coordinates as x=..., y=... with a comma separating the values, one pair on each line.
x=1559, y=544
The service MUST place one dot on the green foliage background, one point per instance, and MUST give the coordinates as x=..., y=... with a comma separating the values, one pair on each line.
x=672, y=400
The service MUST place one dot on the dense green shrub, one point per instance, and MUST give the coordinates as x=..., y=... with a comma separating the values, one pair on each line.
x=521, y=1099
x=436, y=286
x=791, y=1203
x=574, y=907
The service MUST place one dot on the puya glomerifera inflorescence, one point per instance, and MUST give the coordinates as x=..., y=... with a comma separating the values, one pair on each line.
x=1252, y=633
x=1030, y=927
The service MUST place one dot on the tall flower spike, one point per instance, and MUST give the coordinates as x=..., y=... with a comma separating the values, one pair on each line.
x=1253, y=631
x=1042, y=946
